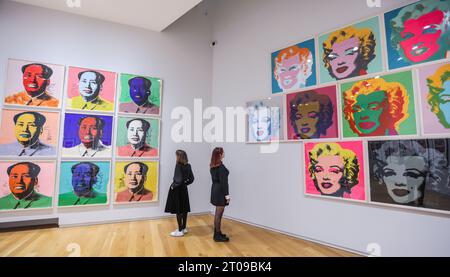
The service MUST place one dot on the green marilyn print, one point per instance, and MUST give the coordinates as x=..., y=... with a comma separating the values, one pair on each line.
x=380, y=106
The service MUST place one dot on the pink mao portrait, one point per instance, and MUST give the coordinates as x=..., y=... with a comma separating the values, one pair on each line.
x=91, y=89
x=335, y=169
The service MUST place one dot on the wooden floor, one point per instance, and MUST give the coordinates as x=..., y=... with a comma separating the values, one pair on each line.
x=151, y=238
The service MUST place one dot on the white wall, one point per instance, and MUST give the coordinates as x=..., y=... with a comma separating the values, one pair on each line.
x=266, y=188
x=38, y=34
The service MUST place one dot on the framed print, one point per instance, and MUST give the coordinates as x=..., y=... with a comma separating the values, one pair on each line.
x=434, y=83
x=137, y=137
x=136, y=181
x=91, y=89
x=351, y=51
x=312, y=114
x=87, y=136
x=26, y=184
x=264, y=120
x=412, y=173
x=335, y=169
x=34, y=84
x=381, y=106
x=31, y=133
x=83, y=183
x=294, y=67
x=140, y=94
x=417, y=33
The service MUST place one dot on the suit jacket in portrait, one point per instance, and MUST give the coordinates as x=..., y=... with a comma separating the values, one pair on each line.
x=144, y=151
x=37, y=149
x=131, y=107
x=35, y=200
x=81, y=151
x=70, y=199
x=23, y=98
x=97, y=104
x=127, y=196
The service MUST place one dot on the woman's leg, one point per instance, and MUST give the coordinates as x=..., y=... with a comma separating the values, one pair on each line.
x=180, y=221
x=184, y=220
x=218, y=218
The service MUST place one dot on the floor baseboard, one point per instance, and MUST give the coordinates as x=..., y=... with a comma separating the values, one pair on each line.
x=297, y=236
x=123, y=220
x=14, y=226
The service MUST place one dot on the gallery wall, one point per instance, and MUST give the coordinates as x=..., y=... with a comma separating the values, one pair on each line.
x=43, y=35
x=267, y=189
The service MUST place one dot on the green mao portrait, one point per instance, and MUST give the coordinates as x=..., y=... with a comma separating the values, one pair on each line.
x=83, y=183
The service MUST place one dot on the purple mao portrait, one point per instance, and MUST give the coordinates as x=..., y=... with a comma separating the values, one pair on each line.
x=87, y=135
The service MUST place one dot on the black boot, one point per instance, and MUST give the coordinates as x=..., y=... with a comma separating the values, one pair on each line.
x=219, y=238
x=224, y=236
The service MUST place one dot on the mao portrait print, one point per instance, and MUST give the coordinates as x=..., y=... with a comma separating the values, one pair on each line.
x=26, y=185
x=91, y=89
x=264, y=120
x=140, y=94
x=31, y=133
x=434, y=81
x=351, y=51
x=34, y=84
x=137, y=137
x=380, y=106
x=136, y=181
x=410, y=172
x=87, y=136
x=335, y=169
x=83, y=183
x=294, y=67
x=418, y=33
x=311, y=114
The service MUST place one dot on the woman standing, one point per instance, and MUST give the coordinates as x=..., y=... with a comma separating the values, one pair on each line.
x=219, y=191
x=178, y=198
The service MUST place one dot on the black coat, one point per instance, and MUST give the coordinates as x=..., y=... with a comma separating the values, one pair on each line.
x=219, y=189
x=178, y=198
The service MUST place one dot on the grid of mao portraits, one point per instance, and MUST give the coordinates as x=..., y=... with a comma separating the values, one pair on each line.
x=74, y=136
x=371, y=104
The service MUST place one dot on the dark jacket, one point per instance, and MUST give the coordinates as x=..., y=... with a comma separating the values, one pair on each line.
x=178, y=197
x=219, y=189
x=182, y=176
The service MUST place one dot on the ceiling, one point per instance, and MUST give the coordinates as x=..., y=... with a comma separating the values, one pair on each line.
x=153, y=15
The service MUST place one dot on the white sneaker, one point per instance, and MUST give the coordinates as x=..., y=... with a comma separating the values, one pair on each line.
x=185, y=231
x=177, y=233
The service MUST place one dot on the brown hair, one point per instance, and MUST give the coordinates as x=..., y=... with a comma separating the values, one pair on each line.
x=181, y=157
x=216, y=157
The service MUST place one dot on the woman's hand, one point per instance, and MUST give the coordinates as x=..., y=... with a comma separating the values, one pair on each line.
x=228, y=198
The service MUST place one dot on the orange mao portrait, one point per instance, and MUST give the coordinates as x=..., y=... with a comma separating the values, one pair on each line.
x=22, y=180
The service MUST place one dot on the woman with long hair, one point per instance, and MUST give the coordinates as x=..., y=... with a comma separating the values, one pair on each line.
x=178, y=198
x=219, y=191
